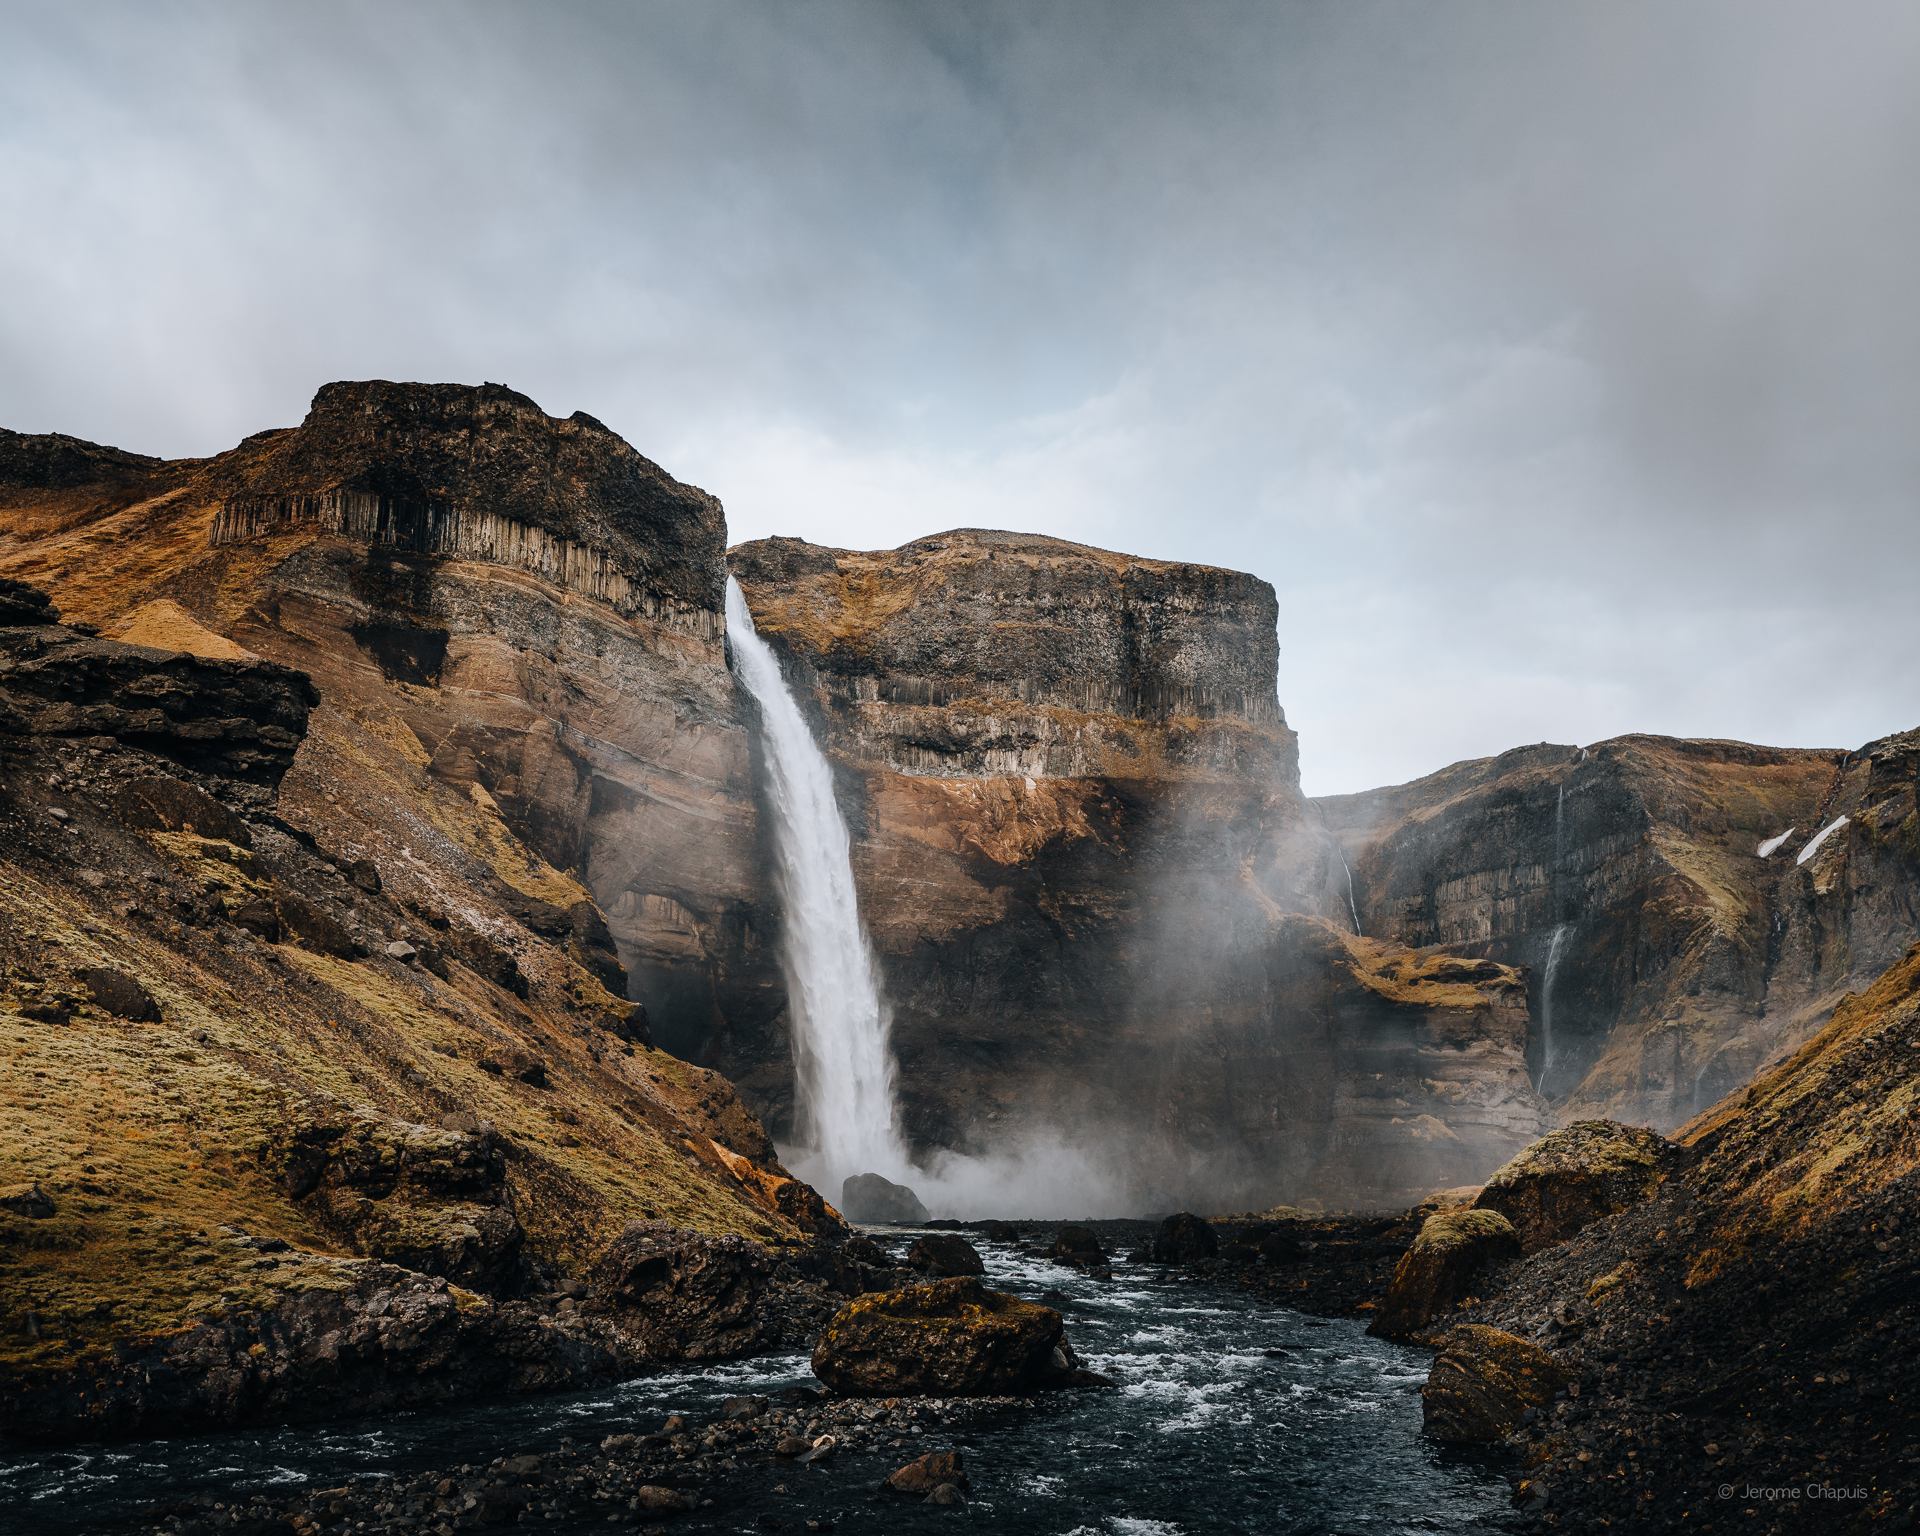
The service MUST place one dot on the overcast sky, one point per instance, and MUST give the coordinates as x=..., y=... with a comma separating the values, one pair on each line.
x=1559, y=365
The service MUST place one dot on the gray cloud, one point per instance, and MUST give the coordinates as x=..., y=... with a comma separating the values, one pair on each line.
x=1558, y=364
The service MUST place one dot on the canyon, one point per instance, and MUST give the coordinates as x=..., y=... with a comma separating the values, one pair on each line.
x=397, y=997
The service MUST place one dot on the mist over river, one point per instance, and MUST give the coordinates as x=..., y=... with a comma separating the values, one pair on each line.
x=1229, y=1416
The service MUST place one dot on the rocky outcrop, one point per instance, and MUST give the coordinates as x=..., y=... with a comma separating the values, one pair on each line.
x=1484, y=1383
x=1183, y=1239
x=869, y=1197
x=1449, y=1261
x=1684, y=909
x=1575, y=1176
x=1745, y=1326
x=951, y=1338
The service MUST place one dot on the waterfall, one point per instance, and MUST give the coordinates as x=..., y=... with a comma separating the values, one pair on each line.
x=846, y=1119
x=1352, y=907
x=1559, y=938
x=1546, y=998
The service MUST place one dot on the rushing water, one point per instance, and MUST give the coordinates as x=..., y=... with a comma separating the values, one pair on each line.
x=843, y=1061
x=1230, y=1416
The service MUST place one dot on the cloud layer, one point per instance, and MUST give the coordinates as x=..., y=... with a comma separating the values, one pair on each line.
x=1559, y=365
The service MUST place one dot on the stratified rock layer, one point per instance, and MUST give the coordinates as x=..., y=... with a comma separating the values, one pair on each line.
x=1105, y=914
x=1678, y=920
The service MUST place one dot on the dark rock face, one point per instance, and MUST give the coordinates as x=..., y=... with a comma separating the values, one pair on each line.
x=687, y=1296
x=942, y=1255
x=1483, y=1381
x=1575, y=1176
x=120, y=994
x=241, y=720
x=953, y=1338
x=1183, y=1239
x=1684, y=955
x=484, y=474
x=869, y=1197
x=1448, y=1262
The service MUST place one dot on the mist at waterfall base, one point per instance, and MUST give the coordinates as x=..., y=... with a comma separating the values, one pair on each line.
x=847, y=1118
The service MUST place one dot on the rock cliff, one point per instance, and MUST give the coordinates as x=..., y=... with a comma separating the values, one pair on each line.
x=1102, y=906
x=1680, y=914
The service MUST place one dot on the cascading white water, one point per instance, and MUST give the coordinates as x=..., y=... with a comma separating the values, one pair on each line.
x=1353, y=907
x=846, y=1116
x=1546, y=998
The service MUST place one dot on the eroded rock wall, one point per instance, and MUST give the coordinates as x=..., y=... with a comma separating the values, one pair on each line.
x=1681, y=956
x=1103, y=908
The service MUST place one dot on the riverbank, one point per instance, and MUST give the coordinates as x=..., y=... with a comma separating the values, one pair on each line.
x=1228, y=1414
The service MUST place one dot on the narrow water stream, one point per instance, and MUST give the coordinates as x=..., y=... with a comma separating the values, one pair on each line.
x=1230, y=1416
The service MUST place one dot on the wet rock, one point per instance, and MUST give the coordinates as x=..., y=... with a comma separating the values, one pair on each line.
x=744, y=1407
x=948, y=1494
x=682, y=1295
x=869, y=1197
x=1452, y=1255
x=792, y=1445
x=950, y=1338
x=28, y=1200
x=1184, y=1239
x=944, y=1254
x=924, y=1474
x=120, y=994
x=1078, y=1248
x=658, y=1500
x=1575, y=1176
x=1482, y=1383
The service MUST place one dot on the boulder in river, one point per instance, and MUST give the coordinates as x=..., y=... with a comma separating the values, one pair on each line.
x=1450, y=1256
x=1078, y=1248
x=923, y=1474
x=1575, y=1176
x=942, y=1255
x=869, y=1197
x=1183, y=1239
x=1482, y=1383
x=952, y=1338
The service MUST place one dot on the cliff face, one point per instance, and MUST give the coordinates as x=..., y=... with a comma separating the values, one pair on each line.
x=1102, y=906
x=1659, y=885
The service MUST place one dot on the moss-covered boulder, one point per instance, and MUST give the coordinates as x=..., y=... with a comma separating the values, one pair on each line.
x=953, y=1338
x=1447, y=1261
x=1482, y=1383
x=1574, y=1177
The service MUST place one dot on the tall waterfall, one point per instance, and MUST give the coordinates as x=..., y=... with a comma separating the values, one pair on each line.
x=1353, y=907
x=846, y=1119
x=1559, y=938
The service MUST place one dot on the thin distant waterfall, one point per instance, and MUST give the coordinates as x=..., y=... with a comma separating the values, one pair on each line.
x=1559, y=939
x=846, y=1119
x=1353, y=907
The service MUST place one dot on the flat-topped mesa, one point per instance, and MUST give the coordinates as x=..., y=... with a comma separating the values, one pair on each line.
x=981, y=652
x=482, y=473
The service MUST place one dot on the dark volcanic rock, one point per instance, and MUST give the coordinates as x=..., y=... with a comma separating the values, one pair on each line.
x=240, y=719
x=684, y=1295
x=1575, y=1176
x=1451, y=1257
x=120, y=994
x=1079, y=1248
x=950, y=1338
x=942, y=1255
x=1483, y=1382
x=1183, y=1238
x=869, y=1197
x=28, y=1200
